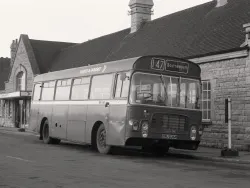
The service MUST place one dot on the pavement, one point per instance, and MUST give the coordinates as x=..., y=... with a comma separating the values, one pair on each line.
x=202, y=153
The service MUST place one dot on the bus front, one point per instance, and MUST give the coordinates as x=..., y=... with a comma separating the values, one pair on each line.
x=164, y=104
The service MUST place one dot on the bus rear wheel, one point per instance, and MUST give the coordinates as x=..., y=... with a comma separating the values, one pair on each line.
x=46, y=136
x=101, y=136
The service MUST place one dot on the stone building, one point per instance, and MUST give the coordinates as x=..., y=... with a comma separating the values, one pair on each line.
x=28, y=58
x=4, y=70
x=215, y=35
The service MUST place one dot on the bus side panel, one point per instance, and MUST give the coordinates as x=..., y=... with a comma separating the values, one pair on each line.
x=117, y=119
x=33, y=122
x=45, y=111
x=95, y=113
x=76, y=127
x=59, y=121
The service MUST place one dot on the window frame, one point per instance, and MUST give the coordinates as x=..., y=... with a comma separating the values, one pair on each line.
x=111, y=88
x=48, y=87
x=34, y=86
x=71, y=89
x=115, y=85
x=208, y=100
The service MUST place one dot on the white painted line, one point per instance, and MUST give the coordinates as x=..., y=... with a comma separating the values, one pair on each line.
x=20, y=159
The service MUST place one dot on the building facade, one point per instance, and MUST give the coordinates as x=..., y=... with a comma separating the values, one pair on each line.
x=25, y=63
x=215, y=35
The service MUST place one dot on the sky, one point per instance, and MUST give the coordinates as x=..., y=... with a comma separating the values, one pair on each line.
x=72, y=20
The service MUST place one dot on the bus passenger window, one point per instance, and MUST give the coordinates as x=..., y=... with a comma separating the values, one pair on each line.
x=122, y=87
x=37, y=92
x=80, y=88
x=63, y=89
x=101, y=87
x=48, y=90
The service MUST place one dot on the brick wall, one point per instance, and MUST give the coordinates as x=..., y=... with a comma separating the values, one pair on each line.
x=228, y=78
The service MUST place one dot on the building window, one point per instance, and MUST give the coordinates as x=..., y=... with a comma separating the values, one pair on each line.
x=20, y=82
x=206, y=100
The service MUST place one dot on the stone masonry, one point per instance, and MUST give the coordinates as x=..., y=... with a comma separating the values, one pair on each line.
x=228, y=78
x=21, y=63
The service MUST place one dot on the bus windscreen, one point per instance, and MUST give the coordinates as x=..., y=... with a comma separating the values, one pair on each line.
x=157, y=89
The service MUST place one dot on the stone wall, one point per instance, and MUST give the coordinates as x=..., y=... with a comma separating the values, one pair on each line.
x=228, y=78
x=21, y=63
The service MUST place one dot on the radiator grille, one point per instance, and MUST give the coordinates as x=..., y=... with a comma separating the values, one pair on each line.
x=169, y=122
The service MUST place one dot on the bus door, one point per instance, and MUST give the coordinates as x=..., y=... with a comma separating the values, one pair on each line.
x=117, y=110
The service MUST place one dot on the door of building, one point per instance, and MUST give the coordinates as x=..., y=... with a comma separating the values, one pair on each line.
x=19, y=113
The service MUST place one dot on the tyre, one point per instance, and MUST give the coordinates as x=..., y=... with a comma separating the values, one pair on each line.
x=101, y=141
x=46, y=138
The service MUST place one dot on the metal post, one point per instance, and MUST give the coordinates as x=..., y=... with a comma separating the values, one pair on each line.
x=229, y=124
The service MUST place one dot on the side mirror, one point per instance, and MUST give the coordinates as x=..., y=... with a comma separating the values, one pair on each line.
x=123, y=76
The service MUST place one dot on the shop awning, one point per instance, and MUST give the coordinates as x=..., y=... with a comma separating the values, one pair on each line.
x=17, y=94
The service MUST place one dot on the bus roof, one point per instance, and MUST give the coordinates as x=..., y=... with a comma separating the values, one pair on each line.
x=157, y=64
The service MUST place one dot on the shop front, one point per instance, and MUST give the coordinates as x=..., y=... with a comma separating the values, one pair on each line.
x=15, y=109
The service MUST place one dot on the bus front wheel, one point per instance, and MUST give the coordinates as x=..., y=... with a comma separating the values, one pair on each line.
x=101, y=136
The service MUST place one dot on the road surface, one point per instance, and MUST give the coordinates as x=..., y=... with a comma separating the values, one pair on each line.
x=25, y=162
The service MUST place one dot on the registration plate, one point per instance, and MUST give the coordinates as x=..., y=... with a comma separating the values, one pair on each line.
x=169, y=136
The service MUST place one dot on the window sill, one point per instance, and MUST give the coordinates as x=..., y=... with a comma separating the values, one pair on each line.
x=206, y=122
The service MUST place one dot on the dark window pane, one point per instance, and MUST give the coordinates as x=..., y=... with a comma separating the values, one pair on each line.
x=209, y=86
x=204, y=95
x=209, y=114
x=204, y=85
x=209, y=105
x=209, y=95
x=204, y=105
x=204, y=115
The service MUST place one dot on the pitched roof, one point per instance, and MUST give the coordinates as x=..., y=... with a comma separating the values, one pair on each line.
x=4, y=71
x=194, y=32
x=90, y=52
x=46, y=51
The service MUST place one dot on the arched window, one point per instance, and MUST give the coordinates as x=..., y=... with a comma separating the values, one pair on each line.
x=20, y=81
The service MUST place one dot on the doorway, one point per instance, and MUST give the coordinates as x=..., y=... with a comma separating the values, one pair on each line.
x=20, y=113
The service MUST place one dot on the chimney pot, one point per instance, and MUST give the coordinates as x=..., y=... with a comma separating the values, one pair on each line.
x=221, y=3
x=140, y=13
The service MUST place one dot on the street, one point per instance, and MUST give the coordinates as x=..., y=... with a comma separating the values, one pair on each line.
x=25, y=162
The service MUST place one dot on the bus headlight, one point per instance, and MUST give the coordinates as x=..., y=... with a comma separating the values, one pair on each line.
x=193, y=132
x=134, y=124
x=144, y=129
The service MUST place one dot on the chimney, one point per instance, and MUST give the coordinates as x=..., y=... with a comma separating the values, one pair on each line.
x=247, y=32
x=140, y=13
x=13, y=50
x=221, y=3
